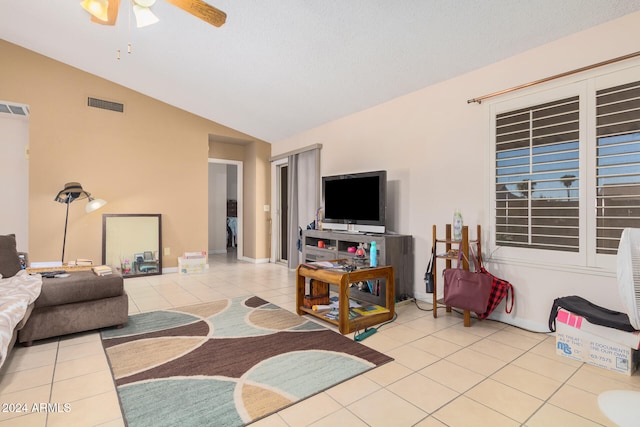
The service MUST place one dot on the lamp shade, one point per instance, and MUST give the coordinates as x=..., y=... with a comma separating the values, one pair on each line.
x=144, y=16
x=97, y=8
x=94, y=204
x=71, y=191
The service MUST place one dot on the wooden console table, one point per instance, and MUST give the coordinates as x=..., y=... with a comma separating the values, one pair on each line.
x=66, y=268
x=342, y=279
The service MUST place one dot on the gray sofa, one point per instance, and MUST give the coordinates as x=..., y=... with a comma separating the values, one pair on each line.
x=81, y=302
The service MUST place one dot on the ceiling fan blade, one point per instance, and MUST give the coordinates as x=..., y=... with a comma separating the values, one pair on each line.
x=112, y=14
x=202, y=10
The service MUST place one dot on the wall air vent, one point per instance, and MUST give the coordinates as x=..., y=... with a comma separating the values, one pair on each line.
x=105, y=105
x=14, y=109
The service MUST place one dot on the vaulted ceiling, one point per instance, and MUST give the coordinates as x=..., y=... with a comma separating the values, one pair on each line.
x=280, y=67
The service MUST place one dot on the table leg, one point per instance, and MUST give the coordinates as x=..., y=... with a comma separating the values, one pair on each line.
x=300, y=282
x=343, y=304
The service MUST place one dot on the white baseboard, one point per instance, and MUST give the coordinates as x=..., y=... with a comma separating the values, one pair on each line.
x=217, y=251
x=498, y=315
x=255, y=261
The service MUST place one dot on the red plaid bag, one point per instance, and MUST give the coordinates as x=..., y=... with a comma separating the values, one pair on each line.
x=499, y=290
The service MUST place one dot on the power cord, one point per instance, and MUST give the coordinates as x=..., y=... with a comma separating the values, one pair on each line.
x=361, y=336
x=455, y=310
x=415, y=300
x=504, y=323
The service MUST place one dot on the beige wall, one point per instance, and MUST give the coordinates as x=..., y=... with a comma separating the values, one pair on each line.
x=226, y=150
x=434, y=146
x=151, y=159
x=262, y=155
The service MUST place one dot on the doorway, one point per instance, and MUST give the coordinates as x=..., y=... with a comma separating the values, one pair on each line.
x=14, y=171
x=225, y=207
x=280, y=231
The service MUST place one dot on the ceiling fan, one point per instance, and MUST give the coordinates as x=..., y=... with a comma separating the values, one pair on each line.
x=106, y=11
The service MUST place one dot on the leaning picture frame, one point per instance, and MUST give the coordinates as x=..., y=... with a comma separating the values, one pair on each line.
x=127, y=238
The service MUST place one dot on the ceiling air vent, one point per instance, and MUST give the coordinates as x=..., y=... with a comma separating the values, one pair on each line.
x=106, y=105
x=14, y=109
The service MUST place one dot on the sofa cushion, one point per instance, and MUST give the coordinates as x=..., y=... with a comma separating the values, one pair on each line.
x=9, y=260
x=78, y=287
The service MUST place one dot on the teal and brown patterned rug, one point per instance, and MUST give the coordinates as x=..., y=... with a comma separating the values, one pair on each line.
x=226, y=363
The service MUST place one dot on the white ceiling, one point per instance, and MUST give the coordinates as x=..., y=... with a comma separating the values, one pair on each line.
x=280, y=67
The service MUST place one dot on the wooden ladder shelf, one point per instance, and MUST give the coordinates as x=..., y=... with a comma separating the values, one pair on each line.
x=450, y=254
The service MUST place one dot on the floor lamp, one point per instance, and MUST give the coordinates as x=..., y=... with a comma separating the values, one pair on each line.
x=71, y=192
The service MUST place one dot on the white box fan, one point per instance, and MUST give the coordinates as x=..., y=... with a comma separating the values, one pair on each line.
x=628, y=269
x=623, y=406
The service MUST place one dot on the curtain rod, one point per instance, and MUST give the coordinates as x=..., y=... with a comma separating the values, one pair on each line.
x=298, y=151
x=557, y=76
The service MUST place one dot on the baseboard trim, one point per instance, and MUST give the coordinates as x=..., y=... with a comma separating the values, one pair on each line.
x=498, y=315
x=217, y=251
x=254, y=260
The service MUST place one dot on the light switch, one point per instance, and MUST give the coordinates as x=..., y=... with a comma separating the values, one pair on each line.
x=267, y=208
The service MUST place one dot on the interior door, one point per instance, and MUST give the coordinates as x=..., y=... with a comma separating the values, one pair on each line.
x=219, y=195
x=284, y=208
x=14, y=173
x=280, y=203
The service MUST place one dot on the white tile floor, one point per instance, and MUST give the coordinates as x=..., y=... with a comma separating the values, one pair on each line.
x=489, y=374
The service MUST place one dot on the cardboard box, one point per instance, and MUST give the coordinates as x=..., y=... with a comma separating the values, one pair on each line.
x=585, y=347
x=190, y=255
x=192, y=265
x=624, y=338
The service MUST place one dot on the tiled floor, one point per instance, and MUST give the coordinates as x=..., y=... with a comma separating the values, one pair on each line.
x=489, y=374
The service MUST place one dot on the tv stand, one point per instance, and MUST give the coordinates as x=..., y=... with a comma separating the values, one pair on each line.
x=395, y=250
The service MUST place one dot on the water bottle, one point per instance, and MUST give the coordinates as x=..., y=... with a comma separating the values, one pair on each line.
x=373, y=255
x=457, y=225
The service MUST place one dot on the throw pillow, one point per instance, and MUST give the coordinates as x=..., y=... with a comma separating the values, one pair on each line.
x=9, y=260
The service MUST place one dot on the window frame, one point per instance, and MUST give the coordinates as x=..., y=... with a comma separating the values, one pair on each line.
x=585, y=86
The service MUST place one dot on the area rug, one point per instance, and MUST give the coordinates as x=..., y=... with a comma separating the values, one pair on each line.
x=226, y=363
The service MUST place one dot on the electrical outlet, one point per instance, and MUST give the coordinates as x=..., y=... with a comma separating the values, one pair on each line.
x=167, y=251
x=266, y=208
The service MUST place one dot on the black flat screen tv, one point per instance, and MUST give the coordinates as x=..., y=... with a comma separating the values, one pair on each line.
x=355, y=202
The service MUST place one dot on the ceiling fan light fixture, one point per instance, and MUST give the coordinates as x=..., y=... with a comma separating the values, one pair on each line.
x=145, y=3
x=97, y=8
x=144, y=16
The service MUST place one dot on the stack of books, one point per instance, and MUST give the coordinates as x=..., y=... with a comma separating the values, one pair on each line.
x=102, y=270
x=372, y=309
x=333, y=314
